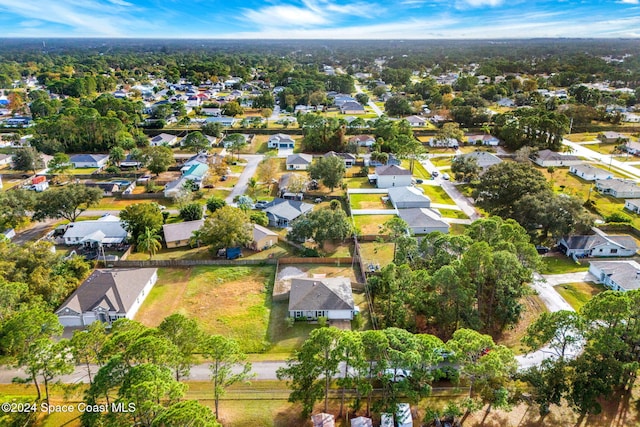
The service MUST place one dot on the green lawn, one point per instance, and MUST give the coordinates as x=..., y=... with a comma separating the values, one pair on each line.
x=457, y=228
x=561, y=265
x=369, y=201
x=175, y=253
x=441, y=161
x=578, y=294
x=111, y=203
x=436, y=194
x=81, y=171
x=232, y=301
x=453, y=213
x=580, y=137
x=370, y=224
x=376, y=252
x=361, y=182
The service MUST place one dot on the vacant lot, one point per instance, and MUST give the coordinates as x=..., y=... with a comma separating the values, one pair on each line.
x=232, y=301
x=370, y=224
x=369, y=201
x=533, y=307
x=376, y=253
x=578, y=294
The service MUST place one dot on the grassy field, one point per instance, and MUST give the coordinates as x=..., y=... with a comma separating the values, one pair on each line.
x=377, y=252
x=369, y=201
x=560, y=265
x=578, y=294
x=453, y=213
x=533, y=307
x=581, y=137
x=361, y=182
x=370, y=224
x=232, y=301
x=457, y=228
x=437, y=194
x=111, y=203
x=441, y=161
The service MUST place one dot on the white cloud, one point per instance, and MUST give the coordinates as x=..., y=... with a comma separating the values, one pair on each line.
x=31, y=23
x=629, y=1
x=482, y=3
x=120, y=3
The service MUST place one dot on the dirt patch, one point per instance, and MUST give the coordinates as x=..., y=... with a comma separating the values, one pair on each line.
x=533, y=307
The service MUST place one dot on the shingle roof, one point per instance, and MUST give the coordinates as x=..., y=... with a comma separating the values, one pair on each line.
x=552, y=155
x=587, y=169
x=299, y=159
x=86, y=158
x=181, y=230
x=421, y=217
x=624, y=273
x=407, y=194
x=260, y=232
x=281, y=137
x=484, y=159
x=113, y=289
x=391, y=170
x=112, y=229
x=321, y=294
x=617, y=184
x=590, y=241
x=346, y=156
x=287, y=209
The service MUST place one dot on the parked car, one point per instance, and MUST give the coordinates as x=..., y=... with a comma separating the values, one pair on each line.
x=435, y=174
x=542, y=249
x=395, y=375
x=261, y=204
x=445, y=176
x=223, y=178
x=419, y=181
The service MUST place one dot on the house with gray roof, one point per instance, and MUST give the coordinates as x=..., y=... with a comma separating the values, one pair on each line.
x=352, y=107
x=179, y=233
x=547, y=158
x=612, y=137
x=326, y=297
x=484, y=159
x=423, y=221
x=483, y=139
x=163, y=139
x=105, y=230
x=617, y=275
x=598, y=245
x=363, y=140
x=408, y=197
x=348, y=158
x=416, y=121
x=388, y=176
x=633, y=205
x=299, y=161
x=618, y=188
x=281, y=141
x=89, y=160
x=589, y=172
x=281, y=212
x=107, y=295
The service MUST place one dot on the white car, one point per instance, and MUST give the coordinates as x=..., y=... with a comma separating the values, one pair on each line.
x=397, y=374
x=445, y=176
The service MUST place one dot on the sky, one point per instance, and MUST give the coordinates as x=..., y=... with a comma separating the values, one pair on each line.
x=320, y=19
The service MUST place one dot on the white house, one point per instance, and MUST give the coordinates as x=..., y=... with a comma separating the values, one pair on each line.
x=388, y=176
x=299, y=161
x=105, y=230
x=444, y=142
x=547, y=158
x=598, y=245
x=633, y=205
x=163, y=139
x=326, y=297
x=363, y=140
x=348, y=158
x=632, y=147
x=483, y=139
x=361, y=422
x=618, y=188
x=617, y=275
x=408, y=197
x=483, y=159
x=423, y=221
x=5, y=159
x=589, y=172
x=416, y=121
x=280, y=140
x=108, y=295
x=89, y=160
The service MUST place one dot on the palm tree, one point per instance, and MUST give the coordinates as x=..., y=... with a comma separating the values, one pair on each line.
x=252, y=187
x=149, y=242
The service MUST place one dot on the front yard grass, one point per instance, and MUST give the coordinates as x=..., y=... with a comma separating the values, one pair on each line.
x=441, y=161
x=231, y=301
x=111, y=203
x=560, y=265
x=578, y=294
x=437, y=194
x=370, y=224
x=453, y=213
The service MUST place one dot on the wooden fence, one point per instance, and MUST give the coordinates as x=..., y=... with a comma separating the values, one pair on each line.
x=314, y=260
x=188, y=262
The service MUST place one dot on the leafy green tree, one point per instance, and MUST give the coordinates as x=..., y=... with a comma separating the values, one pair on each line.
x=395, y=228
x=214, y=203
x=328, y=169
x=149, y=242
x=352, y=354
x=450, y=131
x=212, y=129
x=141, y=216
x=86, y=346
x=398, y=106
x=158, y=159
x=116, y=155
x=188, y=413
x=252, y=187
x=66, y=202
x=244, y=203
x=15, y=207
x=27, y=159
x=196, y=142
x=225, y=354
x=187, y=336
x=322, y=225
x=465, y=169
x=232, y=109
x=48, y=359
x=191, y=212
x=227, y=227
x=237, y=142
x=60, y=163
x=259, y=217
x=362, y=98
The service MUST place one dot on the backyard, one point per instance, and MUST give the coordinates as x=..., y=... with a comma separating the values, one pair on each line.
x=370, y=224
x=369, y=201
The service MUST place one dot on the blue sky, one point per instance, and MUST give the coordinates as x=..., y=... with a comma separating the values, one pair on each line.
x=320, y=19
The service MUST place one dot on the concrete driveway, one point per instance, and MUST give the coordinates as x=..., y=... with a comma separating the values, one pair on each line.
x=249, y=170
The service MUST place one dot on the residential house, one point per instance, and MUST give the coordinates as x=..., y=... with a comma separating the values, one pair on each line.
x=196, y=159
x=299, y=161
x=390, y=176
x=423, y=221
x=598, y=245
x=18, y=122
x=106, y=230
x=340, y=99
x=617, y=275
x=89, y=160
x=352, y=107
x=223, y=120
x=329, y=297
x=444, y=142
x=9, y=233
x=212, y=112
x=483, y=139
x=363, y=140
x=263, y=238
x=613, y=137
x=5, y=159
x=281, y=141
x=130, y=162
x=632, y=147
x=323, y=420
x=226, y=143
x=547, y=158
x=589, y=172
x=180, y=233
x=630, y=117
x=108, y=295
x=392, y=160
x=281, y=212
x=163, y=139
x=348, y=158
x=361, y=422
x=108, y=188
x=633, y=205
x=484, y=159
x=194, y=173
x=416, y=121
x=408, y=197
x=618, y=188
x=505, y=102
x=283, y=185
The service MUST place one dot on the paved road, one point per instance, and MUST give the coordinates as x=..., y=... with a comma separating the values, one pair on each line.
x=249, y=170
x=605, y=159
x=371, y=104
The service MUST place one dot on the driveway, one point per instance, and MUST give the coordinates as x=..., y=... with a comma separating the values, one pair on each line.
x=563, y=279
x=605, y=159
x=249, y=170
